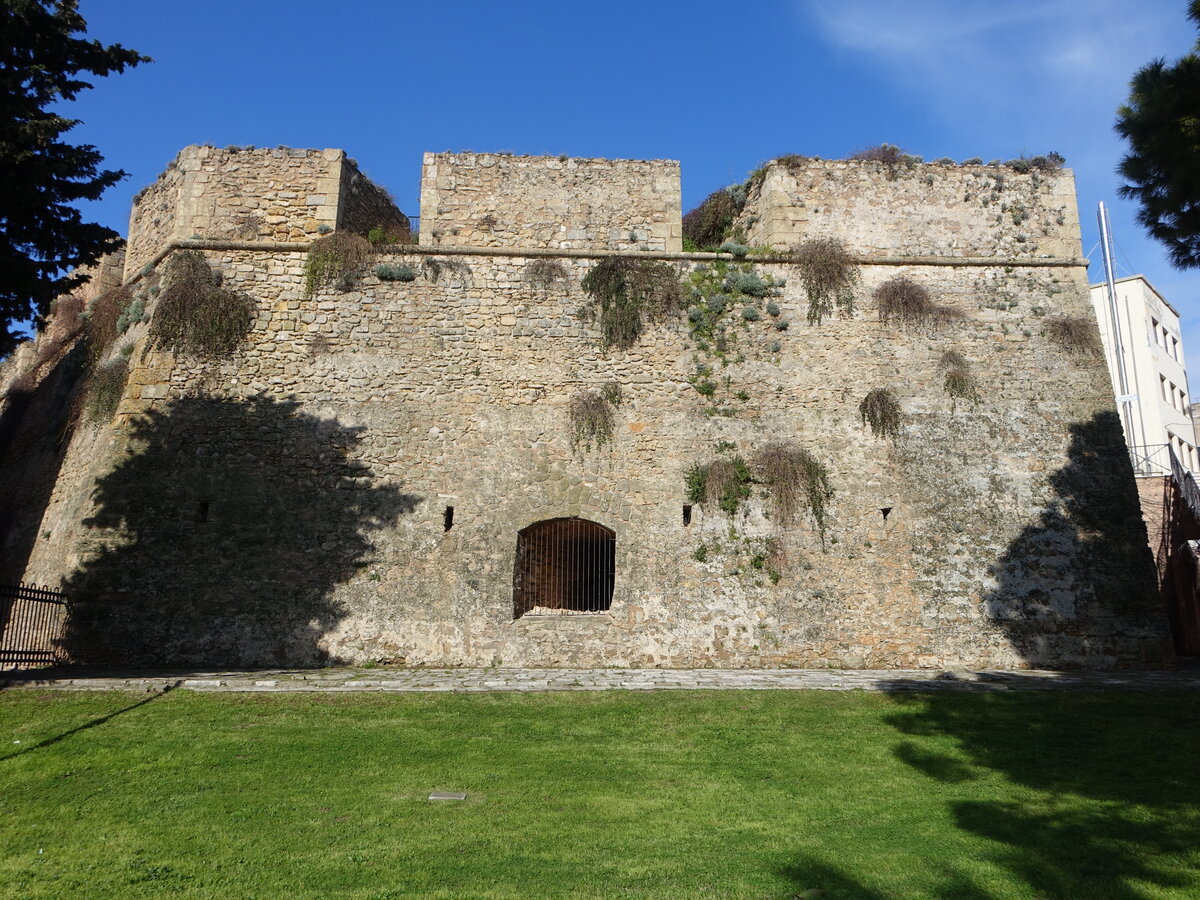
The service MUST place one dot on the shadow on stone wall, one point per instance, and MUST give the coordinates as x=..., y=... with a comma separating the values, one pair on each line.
x=1077, y=589
x=35, y=431
x=1095, y=803
x=220, y=536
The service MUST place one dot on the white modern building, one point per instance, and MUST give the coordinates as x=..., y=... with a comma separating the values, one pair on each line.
x=1154, y=405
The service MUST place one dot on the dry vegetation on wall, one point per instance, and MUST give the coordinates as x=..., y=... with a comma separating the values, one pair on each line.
x=1077, y=335
x=880, y=409
x=829, y=275
x=708, y=225
x=792, y=476
x=545, y=273
x=891, y=157
x=100, y=320
x=104, y=390
x=592, y=418
x=907, y=304
x=195, y=314
x=960, y=382
x=335, y=259
x=625, y=293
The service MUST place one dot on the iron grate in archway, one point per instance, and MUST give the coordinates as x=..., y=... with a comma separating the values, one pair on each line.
x=564, y=566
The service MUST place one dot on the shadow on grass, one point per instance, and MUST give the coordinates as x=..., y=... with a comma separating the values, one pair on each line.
x=51, y=741
x=220, y=536
x=1100, y=794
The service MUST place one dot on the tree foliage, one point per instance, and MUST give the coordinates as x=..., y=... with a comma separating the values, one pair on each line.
x=41, y=233
x=1161, y=122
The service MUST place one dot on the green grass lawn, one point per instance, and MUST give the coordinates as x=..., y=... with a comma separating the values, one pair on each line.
x=610, y=794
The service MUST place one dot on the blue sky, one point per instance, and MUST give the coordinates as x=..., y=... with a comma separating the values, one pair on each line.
x=719, y=86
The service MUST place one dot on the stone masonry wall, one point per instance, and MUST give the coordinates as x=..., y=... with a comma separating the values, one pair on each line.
x=970, y=211
x=289, y=505
x=491, y=200
x=364, y=205
x=278, y=194
x=1004, y=545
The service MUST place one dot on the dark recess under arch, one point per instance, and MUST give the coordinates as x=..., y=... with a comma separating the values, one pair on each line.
x=567, y=565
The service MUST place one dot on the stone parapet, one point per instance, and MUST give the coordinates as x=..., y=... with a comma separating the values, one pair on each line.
x=276, y=194
x=496, y=200
x=918, y=209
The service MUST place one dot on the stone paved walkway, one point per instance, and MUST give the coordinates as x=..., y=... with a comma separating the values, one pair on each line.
x=534, y=680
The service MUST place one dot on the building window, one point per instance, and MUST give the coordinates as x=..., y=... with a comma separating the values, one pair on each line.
x=564, y=566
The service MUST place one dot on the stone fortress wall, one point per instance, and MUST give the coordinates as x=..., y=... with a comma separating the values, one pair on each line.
x=291, y=505
x=948, y=210
x=497, y=200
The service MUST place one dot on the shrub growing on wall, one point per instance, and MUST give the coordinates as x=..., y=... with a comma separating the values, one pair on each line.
x=195, y=314
x=794, y=477
x=627, y=292
x=1076, y=334
x=960, y=382
x=709, y=223
x=907, y=304
x=100, y=320
x=545, y=273
x=333, y=258
x=592, y=420
x=104, y=390
x=881, y=410
x=829, y=276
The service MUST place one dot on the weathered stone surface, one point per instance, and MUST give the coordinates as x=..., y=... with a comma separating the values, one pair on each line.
x=287, y=506
x=490, y=200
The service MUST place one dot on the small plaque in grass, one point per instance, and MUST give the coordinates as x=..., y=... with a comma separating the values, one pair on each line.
x=441, y=795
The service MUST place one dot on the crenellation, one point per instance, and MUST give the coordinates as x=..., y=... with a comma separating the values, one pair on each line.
x=524, y=202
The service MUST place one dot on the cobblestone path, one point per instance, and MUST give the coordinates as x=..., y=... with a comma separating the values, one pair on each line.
x=535, y=680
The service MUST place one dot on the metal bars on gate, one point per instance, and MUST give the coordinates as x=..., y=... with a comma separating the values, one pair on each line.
x=32, y=620
x=564, y=566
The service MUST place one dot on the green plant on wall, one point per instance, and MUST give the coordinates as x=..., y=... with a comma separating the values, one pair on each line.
x=335, y=259
x=195, y=313
x=626, y=293
x=723, y=295
x=829, y=275
x=592, y=418
x=880, y=409
x=959, y=382
x=401, y=272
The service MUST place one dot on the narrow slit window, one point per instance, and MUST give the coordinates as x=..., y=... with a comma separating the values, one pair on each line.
x=448, y=518
x=687, y=514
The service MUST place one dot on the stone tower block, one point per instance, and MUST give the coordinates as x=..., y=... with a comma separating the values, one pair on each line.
x=550, y=202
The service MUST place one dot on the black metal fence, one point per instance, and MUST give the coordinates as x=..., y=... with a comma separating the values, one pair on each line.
x=31, y=625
